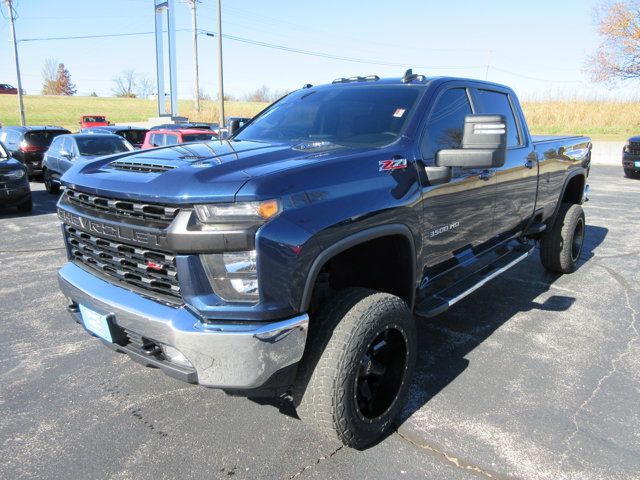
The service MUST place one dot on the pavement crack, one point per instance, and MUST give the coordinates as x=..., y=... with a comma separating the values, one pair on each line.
x=633, y=337
x=450, y=458
x=316, y=462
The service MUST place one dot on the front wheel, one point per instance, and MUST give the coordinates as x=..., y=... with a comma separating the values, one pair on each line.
x=355, y=377
x=51, y=187
x=560, y=248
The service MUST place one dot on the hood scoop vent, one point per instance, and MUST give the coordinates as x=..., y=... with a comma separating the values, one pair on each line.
x=142, y=167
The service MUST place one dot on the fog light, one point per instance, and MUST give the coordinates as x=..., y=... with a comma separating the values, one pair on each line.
x=174, y=356
x=233, y=275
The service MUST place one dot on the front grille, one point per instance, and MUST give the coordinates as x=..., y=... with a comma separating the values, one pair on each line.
x=634, y=148
x=141, y=167
x=160, y=214
x=127, y=264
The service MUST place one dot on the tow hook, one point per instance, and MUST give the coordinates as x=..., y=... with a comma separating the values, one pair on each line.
x=151, y=350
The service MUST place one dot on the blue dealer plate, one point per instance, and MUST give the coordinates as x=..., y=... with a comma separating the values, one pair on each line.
x=96, y=323
x=637, y=163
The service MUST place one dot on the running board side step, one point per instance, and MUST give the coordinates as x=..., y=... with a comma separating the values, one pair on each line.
x=439, y=302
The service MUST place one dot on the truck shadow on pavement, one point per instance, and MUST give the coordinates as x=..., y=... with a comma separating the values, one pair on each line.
x=445, y=341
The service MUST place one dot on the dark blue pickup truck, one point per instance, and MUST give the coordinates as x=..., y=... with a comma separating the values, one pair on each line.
x=296, y=257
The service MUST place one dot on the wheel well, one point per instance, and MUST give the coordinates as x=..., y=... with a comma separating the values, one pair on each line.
x=574, y=191
x=384, y=264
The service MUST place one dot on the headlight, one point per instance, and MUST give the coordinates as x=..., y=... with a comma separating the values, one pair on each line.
x=241, y=212
x=625, y=149
x=233, y=275
x=15, y=174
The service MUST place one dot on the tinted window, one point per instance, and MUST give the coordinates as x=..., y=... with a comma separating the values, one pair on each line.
x=170, y=139
x=446, y=122
x=368, y=116
x=42, y=138
x=157, y=139
x=101, y=146
x=496, y=103
x=133, y=136
x=198, y=137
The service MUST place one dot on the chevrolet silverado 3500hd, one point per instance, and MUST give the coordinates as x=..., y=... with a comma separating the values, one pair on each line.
x=291, y=258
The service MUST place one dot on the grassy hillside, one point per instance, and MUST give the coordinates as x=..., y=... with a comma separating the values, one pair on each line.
x=66, y=111
x=601, y=120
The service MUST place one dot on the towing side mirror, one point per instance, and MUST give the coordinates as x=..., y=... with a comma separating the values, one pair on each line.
x=484, y=144
x=234, y=126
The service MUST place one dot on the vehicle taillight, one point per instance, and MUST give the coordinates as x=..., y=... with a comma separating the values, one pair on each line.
x=25, y=147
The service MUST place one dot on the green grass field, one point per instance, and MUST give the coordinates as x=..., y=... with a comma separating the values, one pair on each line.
x=66, y=111
x=600, y=120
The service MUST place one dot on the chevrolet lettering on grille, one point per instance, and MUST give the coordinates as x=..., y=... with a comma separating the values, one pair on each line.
x=117, y=232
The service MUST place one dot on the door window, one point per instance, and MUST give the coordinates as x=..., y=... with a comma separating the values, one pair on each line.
x=446, y=122
x=497, y=103
x=171, y=139
x=157, y=139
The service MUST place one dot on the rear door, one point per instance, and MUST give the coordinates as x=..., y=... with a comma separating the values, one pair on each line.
x=517, y=179
x=457, y=215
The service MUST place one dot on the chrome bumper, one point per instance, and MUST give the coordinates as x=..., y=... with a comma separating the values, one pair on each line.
x=233, y=356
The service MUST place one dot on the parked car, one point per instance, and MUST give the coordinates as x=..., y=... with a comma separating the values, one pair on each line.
x=28, y=144
x=7, y=89
x=87, y=121
x=14, y=183
x=631, y=158
x=133, y=135
x=185, y=125
x=67, y=150
x=162, y=138
x=290, y=260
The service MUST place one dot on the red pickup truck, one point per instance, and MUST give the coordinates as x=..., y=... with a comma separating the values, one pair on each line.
x=87, y=121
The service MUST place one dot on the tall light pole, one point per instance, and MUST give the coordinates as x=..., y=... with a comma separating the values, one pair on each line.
x=196, y=81
x=15, y=56
x=220, y=75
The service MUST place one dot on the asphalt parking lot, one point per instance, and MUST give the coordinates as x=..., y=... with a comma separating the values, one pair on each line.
x=534, y=376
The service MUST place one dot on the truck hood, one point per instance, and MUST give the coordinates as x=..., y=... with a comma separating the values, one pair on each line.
x=191, y=173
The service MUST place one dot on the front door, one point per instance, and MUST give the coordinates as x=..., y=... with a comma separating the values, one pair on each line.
x=457, y=214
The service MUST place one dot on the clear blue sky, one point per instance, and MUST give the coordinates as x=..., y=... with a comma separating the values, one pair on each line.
x=539, y=48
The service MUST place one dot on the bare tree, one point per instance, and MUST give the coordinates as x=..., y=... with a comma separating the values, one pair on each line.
x=126, y=84
x=145, y=87
x=618, y=56
x=262, y=94
x=49, y=70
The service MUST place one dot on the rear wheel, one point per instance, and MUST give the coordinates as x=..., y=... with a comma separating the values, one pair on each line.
x=355, y=378
x=560, y=248
x=51, y=186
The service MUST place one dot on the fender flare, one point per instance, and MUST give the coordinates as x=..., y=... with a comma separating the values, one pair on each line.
x=578, y=172
x=351, y=241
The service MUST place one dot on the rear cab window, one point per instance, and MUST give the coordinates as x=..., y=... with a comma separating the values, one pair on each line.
x=498, y=103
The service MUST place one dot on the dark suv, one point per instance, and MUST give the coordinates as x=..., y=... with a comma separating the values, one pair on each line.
x=631, y=157
x=28, y=144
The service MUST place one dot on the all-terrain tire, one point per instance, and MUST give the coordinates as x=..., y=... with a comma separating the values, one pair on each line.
x=328, y=387
x=560, y=248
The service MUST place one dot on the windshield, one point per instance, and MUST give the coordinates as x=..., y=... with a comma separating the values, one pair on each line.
x=95, y=120
x=90, y=147
x=42, y=138
x=133, y=136
x=198, y=137
x=359, y=116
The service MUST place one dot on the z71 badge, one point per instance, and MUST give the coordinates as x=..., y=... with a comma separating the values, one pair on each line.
x=393, y=164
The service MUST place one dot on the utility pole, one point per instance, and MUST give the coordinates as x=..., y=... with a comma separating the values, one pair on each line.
x=23, y=122
x=220, y=75
x=196, y=81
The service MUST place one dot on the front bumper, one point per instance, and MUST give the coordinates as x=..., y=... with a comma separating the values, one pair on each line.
x=629, y=162
x=224, y=355
x=14, y=195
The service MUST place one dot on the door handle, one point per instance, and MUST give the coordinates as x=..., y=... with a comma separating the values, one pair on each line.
x=529, y=164
x=486, y=175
